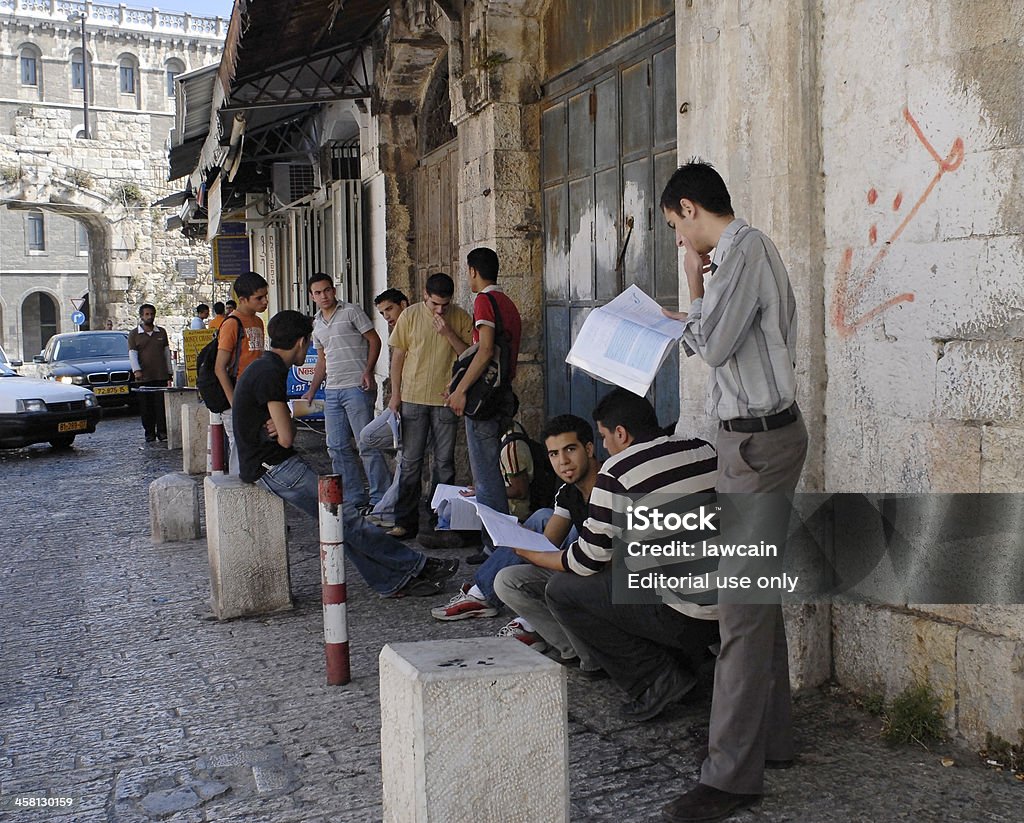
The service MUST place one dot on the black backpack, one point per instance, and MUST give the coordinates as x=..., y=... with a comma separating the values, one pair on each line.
x=211, y=392
x=545, y=482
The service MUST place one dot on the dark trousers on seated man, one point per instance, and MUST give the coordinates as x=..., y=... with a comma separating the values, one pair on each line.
x=633, y=643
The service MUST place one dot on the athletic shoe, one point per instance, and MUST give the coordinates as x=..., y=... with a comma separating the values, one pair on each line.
x=438, y=570
x=417, y=587
x=532, y=639
x=462, y=606
x=382, y=522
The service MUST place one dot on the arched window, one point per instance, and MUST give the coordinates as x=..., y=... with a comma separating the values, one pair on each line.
x=77, y=70
x=174, y=67
x=437, y=112
x=128, y=75
x=31, y=66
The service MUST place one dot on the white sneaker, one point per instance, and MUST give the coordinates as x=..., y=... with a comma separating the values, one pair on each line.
x=464, y=605
x=532, y=639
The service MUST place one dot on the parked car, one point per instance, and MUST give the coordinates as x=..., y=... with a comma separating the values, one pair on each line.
x=97, y=360
x=43, y=411
x=4, y=359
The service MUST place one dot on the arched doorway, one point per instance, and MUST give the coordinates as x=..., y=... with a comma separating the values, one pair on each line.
x=437, y=185
x=38, y=322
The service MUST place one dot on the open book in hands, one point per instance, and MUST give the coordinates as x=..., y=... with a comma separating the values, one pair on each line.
x=625, y=342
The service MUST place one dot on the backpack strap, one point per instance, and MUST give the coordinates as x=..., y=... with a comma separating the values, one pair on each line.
x=233, y=366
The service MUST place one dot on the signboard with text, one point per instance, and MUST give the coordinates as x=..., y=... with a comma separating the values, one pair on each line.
x=298, y=384
x=194, y=340
x=230, y=256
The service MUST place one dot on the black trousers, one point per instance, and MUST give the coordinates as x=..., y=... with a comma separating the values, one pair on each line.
x=151, y=409
x=633, y=643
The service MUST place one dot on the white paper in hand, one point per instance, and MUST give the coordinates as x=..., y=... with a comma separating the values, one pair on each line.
x=505, y=530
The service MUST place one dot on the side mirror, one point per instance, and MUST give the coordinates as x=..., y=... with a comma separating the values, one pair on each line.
x=38, y=359
x=16, y=363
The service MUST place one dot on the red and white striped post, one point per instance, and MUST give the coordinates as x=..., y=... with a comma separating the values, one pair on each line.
x=215, y=445
x=332, y=578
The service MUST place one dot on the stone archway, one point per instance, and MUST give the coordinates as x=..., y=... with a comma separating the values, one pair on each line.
x=38, y=322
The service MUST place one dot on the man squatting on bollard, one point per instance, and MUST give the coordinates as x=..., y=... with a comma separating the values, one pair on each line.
x=265, y=433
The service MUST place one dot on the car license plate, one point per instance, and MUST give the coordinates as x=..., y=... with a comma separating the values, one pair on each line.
x=73, y=426
x=109, y=390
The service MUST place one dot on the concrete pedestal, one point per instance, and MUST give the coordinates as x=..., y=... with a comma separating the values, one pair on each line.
x=245, y=535
x=195, y=430
x=174, y=508
x=449, y=706
x=174, y=400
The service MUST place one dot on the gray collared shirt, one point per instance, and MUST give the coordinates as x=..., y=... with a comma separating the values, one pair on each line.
x=745, y=327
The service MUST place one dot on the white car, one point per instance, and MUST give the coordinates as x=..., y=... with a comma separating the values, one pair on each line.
x=43, y=411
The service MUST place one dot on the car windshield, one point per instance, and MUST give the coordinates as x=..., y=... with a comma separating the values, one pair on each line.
x=89, y=346
x=7, y=371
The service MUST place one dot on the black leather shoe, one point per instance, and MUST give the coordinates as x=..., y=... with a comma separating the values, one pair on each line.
x=437, y=570
x=671, y=686
x=477, y=559
x=704, y=804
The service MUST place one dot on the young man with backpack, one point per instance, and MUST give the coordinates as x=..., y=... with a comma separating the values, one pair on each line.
x=530, y=482
x=492, y=309
x=240, y=341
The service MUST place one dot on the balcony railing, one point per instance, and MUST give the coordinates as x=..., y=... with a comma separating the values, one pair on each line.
x=120, y=16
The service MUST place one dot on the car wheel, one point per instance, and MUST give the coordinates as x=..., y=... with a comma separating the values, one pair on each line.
x=63, y=442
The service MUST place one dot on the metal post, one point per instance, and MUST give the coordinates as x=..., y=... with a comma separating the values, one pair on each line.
x=332, y=577
x=215, y=445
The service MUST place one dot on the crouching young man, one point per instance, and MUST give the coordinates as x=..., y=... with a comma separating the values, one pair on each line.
x=265, y=432
x=650, y=650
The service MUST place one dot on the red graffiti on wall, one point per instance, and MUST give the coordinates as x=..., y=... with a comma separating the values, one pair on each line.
x=847, y=292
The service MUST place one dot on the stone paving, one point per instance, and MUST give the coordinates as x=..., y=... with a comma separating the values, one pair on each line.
x=119, y=690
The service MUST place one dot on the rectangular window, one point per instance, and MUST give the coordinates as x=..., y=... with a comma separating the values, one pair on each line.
x=36, y=232
x=77, y=74
x=29, y=76
x=127, y=80
x=82, y=239
x=170, y=82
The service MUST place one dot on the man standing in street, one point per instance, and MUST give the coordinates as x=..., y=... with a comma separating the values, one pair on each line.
x=742, y=322
x=150, y=355
x=219, y=315
x=199, y=321
x=239, y=344
x=383, y=433
x=265, y=437
x=426, y=340
x=347, y=348
x=483, y=437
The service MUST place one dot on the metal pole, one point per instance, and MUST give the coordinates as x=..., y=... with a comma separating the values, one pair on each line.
x=215, y=445
x=85, y=82
x=332, y=578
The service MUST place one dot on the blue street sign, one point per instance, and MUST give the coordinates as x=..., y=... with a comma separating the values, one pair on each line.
x=78, y=318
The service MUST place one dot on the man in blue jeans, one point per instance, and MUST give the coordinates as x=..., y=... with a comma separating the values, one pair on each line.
x=265, y=432
x=347, y=348
x=491, y=307
x=569, y=441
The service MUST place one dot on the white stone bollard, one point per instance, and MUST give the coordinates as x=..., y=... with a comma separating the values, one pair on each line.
x=174, y=400
x=173, y=508
x=195, y=430
x=245, y=536
x=447, y=706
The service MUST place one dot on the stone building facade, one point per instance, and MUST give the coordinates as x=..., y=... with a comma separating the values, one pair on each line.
x=77, y=219
x=878, y=144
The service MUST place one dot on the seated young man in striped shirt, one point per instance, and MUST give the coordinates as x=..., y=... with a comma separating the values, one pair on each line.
x=651, y=650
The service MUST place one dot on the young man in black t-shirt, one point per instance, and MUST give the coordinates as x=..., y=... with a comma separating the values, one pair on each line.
x=569, y=441
x=264, y=434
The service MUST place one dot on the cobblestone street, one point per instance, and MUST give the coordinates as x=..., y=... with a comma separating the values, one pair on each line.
x=119, y=690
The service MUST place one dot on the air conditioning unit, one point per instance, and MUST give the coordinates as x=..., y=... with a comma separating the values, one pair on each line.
x=292, y=181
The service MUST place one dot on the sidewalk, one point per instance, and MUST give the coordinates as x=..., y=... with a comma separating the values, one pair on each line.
x=119, y=690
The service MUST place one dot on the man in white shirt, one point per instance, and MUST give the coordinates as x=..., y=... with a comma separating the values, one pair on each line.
x=347, y=348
